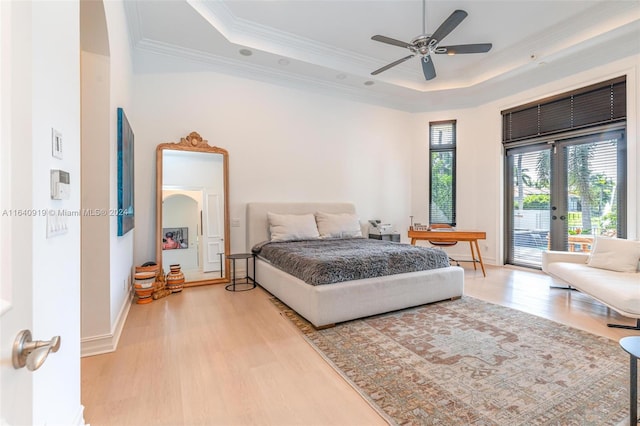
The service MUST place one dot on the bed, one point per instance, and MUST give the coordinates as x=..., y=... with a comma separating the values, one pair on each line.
x=326, y=305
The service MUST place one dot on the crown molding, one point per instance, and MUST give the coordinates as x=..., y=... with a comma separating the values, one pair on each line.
x=280, y=77
x=251, y=34
x=566, y=35
x=134, y=22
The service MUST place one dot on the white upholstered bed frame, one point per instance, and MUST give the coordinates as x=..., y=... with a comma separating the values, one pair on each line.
x=324, y=305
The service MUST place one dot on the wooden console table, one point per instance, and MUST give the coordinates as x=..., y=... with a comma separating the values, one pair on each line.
x=585, y=242
x=450, y=235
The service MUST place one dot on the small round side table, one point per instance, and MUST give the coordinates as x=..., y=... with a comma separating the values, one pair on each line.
x=631, y=345
x=248, y=282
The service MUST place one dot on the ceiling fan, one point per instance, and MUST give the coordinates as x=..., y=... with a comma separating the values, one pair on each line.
x=426, y=44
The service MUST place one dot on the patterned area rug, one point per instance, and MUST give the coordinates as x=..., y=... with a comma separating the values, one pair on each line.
x=468, y=362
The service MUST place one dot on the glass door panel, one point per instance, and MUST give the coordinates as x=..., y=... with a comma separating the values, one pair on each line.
x=529, y=206
x=562, y=194
x=588, y=186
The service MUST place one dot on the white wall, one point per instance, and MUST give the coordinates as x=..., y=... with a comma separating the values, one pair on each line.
x=121, y=72
x=288, y=145
x=284, y=145
x=479, y=175
x=107, y=259
x=96, y=316
x=480, y=157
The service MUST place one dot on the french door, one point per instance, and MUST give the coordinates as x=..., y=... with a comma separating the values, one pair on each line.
x=563, y=193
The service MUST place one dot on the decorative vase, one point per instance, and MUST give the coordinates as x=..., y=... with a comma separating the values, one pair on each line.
x=155, y=268
x=144, y=286
x=175, y=279
x=148, y=267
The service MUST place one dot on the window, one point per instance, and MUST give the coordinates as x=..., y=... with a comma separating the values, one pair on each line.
x=442, y=164
x=565, y=172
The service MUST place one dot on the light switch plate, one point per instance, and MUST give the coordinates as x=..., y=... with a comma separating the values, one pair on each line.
x=57, y=223
x=56, y=143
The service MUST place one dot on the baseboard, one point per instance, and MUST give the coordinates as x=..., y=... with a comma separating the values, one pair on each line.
x=79, y=419
x=105, y=343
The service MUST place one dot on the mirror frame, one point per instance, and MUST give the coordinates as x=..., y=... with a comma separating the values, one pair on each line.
x=194, y=143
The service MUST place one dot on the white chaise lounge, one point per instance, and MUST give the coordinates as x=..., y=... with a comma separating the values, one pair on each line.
x=609, y=274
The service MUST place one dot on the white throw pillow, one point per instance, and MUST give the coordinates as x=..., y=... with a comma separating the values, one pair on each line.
x=285, y=227
x=338, y=225
x=615, y=254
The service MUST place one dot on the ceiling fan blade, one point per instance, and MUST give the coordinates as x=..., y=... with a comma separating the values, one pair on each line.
x=464, y=48
x=390, y=40
x=392, y=64
x=449, y=25
x=427, y=68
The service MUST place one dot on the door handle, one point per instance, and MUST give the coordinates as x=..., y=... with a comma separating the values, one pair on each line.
x=32, y=354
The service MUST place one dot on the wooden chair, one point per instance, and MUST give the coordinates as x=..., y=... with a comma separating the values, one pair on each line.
x=443, y=243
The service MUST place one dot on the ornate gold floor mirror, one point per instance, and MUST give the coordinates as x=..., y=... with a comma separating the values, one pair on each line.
x=192, y=210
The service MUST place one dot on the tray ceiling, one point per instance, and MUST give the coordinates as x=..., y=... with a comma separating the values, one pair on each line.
x=326, y=45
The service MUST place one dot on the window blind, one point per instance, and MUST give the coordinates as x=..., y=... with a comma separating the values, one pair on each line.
x=442, y=133
x=590, y=106
x=442, y=188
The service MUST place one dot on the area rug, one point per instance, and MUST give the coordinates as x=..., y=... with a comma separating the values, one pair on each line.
x=469, y=362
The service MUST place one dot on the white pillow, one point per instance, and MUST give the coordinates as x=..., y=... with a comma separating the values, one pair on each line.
x=285, y=227
x=339, y=225
x=615, y=254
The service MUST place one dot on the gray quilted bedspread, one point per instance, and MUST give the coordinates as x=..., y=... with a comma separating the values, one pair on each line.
x=329, y=261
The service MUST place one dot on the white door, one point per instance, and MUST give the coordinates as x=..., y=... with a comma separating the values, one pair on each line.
x=212, y=234
x=39, y=276
x=16, y=388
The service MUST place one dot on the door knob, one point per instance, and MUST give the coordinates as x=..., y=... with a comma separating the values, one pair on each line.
x=32, y=354
x=562, y=217
x=554, y=217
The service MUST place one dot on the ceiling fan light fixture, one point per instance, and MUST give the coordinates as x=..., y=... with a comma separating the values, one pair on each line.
x=426, y=44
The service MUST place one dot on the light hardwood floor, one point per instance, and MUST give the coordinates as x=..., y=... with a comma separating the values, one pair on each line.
x=207, y=356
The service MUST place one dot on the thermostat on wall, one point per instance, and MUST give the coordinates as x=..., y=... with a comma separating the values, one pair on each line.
x=60, y=185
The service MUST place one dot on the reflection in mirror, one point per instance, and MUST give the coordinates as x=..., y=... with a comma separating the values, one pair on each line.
x=192, y=211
